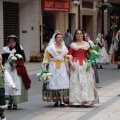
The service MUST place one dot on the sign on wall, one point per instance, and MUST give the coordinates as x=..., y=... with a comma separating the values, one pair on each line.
x=56, y=5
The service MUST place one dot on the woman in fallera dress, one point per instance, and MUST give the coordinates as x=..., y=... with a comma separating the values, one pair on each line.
x=20, y=79
x=87, y=38
x=82, y=79
x=104, y=58
x=57, y=90
x=115, y=58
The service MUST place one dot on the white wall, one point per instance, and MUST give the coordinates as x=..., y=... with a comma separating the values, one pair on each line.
x=1, y=24
x=24, y=26
x=29, y=18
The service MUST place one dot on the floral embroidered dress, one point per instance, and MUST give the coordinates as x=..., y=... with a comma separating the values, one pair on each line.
x=104, y=58
x=82, y=80
x=58, y=87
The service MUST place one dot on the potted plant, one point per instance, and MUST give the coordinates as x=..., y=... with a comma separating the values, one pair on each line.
x=103, y=6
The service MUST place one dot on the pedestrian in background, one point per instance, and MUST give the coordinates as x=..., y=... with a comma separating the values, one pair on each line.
x=68, y=38
x=57, y=90
x=21, y=81
x=115, y=58
x=87, y=38
x=108, y=38
x=82, y=81
x=104, y=58
x=5, y=80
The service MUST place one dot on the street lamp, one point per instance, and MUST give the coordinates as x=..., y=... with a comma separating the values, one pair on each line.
x=103, y=5
x=102, y=19
x=79, y=26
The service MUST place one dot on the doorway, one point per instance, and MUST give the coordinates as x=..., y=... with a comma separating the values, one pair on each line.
x=48, y=27
x=87, y=24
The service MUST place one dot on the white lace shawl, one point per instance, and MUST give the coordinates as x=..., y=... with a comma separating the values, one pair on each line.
x=52, y=50
x=86, y=46
x=98, y=40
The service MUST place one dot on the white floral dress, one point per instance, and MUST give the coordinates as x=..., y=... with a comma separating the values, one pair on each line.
x=82, y=80
x=104, y=58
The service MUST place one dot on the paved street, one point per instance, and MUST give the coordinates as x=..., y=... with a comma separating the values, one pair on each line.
x=36, y=109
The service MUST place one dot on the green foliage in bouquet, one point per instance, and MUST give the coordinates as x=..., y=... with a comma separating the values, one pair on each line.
x=93, y=56
x=44, y=76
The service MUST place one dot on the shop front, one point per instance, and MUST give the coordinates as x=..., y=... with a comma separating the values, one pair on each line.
x=54, y=17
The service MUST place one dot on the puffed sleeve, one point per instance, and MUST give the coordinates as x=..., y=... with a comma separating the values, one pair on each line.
x=8, y=80
x=46, y=58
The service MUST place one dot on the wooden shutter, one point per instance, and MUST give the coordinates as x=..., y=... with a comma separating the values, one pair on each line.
x=10, y=20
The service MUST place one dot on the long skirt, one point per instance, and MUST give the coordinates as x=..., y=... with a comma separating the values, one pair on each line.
x=104, y=58
x=2, y=98
x=115, y=57
x=96, y=73
x=19, y=98
x=58, y=87
x=54, y=95
x=82, y=85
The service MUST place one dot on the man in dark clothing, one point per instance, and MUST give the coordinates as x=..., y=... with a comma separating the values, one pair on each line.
x=68, y=38
x=108, y=38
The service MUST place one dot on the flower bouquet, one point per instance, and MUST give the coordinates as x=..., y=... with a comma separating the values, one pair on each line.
x=45, y=76
x=93, y=55
x=14, y=59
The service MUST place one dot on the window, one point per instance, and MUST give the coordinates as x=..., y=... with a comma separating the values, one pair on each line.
x=87, y=4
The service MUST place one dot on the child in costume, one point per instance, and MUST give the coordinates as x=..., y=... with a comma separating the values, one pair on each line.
x=5, y=79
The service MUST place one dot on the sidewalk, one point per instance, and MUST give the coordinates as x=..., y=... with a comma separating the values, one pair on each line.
x=108, y=109
x=33, y=67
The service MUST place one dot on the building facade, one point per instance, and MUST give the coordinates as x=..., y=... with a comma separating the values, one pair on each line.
x=34, y=21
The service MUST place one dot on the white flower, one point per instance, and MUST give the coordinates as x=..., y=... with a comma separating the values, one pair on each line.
x=14, y=58
x=43, y=77
x=19, y=56
x=46, y=77
x=49, y=76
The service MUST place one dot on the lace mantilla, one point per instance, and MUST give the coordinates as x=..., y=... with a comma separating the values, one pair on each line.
x=86, y=46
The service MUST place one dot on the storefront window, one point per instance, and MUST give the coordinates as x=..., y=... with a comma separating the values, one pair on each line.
x=48, y=27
